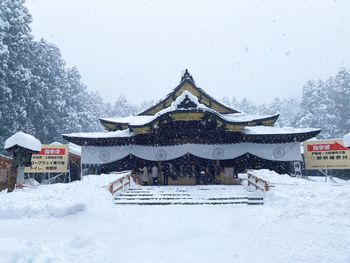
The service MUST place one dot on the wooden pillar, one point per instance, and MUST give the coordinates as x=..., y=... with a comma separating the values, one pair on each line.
x=12, y=177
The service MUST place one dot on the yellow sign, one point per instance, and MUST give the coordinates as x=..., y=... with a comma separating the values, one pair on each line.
x=51, y=159
x=326, y=155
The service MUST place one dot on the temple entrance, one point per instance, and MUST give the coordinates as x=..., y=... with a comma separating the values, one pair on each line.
x=189, y=169
x=186, y=170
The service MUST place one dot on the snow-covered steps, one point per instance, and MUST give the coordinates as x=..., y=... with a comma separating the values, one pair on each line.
x=189, y=195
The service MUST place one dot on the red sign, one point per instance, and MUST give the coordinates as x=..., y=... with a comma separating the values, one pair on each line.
x=51, y=159
x=52, y=151
x=325, y=147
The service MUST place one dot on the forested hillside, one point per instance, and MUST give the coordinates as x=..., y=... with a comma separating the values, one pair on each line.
x=39, y=94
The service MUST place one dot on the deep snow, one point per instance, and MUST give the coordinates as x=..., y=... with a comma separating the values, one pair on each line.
x=301, y=221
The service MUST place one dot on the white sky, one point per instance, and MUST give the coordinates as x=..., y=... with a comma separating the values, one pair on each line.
x=243, y=48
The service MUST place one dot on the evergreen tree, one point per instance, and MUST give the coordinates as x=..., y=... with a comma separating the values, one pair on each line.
x=38, y=94
x=48, y=89
x=123, y=108
x=318, y=109
x=247, y=106
x=15, y=39
x=340, y=93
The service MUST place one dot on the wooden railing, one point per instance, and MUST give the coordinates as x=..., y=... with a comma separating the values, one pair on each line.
x=257, y=182
x=120, y=184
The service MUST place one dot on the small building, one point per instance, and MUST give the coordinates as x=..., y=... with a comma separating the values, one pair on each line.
x=191, y=133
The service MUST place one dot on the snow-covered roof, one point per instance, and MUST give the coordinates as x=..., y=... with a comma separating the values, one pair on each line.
x=275, y=130
x=144, y=119
x=187, y=78
x=23, y=140
x=74, y=149
x=243, y=117
x=122, y=133
x=55, y=143
x=302, y=143
x=5, y=157
x=131, y=120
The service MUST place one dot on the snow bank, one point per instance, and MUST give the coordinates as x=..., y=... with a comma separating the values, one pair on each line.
x=318, y=200
x=57, y=200
x=23, y=140
x=276, y=178
x=301, y=221
x=325, y=203
x=18, y=250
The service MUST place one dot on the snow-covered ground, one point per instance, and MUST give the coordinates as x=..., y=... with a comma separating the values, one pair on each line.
x=301, y=221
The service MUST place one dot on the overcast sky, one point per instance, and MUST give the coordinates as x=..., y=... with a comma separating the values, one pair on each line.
x=243, y=48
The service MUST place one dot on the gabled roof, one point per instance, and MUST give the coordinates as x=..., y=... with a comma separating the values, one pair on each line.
x=186, y=107
x=187, y=83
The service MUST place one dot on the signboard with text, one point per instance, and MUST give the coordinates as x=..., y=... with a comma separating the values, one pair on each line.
x=51, y=159
x=326, y=155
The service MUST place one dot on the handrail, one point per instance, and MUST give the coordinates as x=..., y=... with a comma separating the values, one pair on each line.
x=258, y=182
x=48, y=181
x=119, y=184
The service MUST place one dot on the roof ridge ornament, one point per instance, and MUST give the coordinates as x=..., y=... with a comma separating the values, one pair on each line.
x=187, y=103
x=187, y=75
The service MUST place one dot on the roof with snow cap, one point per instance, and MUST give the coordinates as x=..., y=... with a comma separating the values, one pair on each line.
x=185, y=107
x=187, y=83
x=346, y=140
x=23, y=140
x=187, y=103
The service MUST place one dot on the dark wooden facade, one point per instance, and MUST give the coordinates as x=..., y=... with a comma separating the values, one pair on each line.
x=197, y=119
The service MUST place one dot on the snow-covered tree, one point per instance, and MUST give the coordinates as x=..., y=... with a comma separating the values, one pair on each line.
x=318, y=109
x=340, y=93
x=15, y=39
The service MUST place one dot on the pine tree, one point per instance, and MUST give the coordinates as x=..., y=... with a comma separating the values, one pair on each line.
x=123, y=108
x=318, y=109
x=5, y=91
x=38, y=94
x=15, y=39
x=340, y=93
x=47, y=91
x=247, y=106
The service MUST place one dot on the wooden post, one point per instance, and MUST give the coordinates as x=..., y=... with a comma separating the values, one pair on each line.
x=12, y=177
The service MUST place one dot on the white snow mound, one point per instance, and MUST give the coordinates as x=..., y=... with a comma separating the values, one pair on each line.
x=56, y=200
x=18, y=250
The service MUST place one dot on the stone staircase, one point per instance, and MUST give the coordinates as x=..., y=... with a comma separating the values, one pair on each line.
x=189, y=195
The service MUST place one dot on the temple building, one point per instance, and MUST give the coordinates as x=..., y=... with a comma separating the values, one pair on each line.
x=192, y=133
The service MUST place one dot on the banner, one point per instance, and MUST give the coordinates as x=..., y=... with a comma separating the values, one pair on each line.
x=326, y=155
x=51, y=159
x=273, y=152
